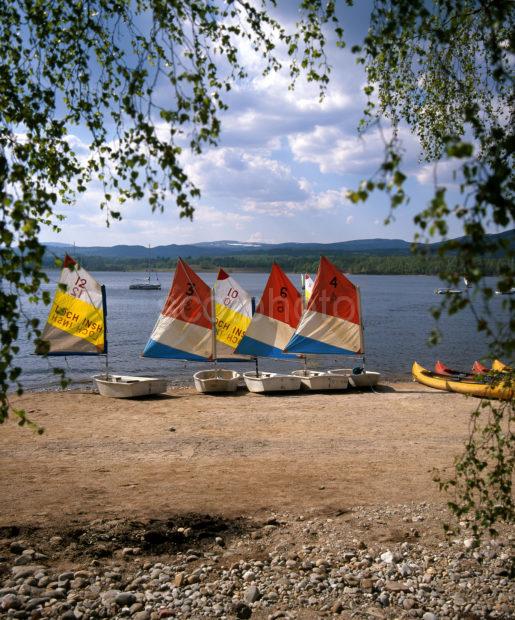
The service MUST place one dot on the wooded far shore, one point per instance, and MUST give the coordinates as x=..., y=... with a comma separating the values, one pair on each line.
x=349, y=263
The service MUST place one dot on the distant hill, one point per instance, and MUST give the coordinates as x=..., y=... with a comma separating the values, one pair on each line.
x=385, y=247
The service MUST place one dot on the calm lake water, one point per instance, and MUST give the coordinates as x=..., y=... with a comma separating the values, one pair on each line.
x=396, y=315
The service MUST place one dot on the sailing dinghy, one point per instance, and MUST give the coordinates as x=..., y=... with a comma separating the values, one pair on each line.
x=186, y=329
x=332, y=325
x=316, y=380
x=76, y=325
x=272, y=326
x=232, y=314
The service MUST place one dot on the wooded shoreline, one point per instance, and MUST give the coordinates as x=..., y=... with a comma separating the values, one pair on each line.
x=349, y=263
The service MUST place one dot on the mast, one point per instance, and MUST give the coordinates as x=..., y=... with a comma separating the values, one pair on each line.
x=255, y=356
x=362, y=330
x=213, y=324
x=104, y=310
x=303, y=289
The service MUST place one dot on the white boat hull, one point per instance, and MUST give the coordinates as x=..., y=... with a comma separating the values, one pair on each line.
x=216, y=381
x=271, y=382
x=364, y=379
x=318, y=380
x=125, y=386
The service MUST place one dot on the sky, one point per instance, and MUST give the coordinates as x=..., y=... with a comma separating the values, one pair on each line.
x=280, y=173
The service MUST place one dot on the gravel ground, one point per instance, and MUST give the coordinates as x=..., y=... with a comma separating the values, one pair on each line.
x=371, y=562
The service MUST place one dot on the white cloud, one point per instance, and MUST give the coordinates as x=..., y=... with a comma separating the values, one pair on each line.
x=333, y=151
x=442, y=173
x=235, y=173
x=256, y=237
x=327, y=201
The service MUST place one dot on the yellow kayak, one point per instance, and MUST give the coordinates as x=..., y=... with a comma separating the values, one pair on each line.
x=450, y=384
x=499, y=366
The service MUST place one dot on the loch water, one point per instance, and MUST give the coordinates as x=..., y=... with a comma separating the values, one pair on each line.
x=397, y=324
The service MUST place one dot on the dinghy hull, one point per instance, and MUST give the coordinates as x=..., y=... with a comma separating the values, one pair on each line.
x=265, y=382
x=365, y=379
x=319, y=381
x=216, y=381
x=125, y=386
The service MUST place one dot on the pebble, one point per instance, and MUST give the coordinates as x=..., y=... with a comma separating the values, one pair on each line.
x=252, y=594
x=241, y=610
x=301, y=564
x=125, y=599
x=387, y=557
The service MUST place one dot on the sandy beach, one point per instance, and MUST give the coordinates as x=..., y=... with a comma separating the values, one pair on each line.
x=230, y=456
x=192, y=506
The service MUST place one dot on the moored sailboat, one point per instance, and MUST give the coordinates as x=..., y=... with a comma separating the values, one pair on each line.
x=146, y=284
x=76, y=325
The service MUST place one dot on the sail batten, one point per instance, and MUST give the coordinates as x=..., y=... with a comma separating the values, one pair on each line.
x=76, y=322
x=275, y=320
x=332, y=323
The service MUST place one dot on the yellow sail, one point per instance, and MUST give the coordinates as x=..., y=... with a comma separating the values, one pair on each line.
x=233, y=311
x=76, y=323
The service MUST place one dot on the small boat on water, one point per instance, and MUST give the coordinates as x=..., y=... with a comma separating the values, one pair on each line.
x=77, y=325
x=480, y=388
x=448, y=291
x=146, y=285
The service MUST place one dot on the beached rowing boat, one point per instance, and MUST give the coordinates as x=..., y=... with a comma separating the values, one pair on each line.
x=216, y=381
x=125, y=386
x=266, y=382
x=363, y=379
x=318, y=380
x=443, y=369
x=499, y=366
x=481, y=389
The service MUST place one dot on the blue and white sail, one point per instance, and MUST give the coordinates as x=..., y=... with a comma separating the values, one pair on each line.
x=275, y=319
x=331, y=323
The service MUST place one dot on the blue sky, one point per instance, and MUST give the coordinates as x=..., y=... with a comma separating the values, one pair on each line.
x=281, y=172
